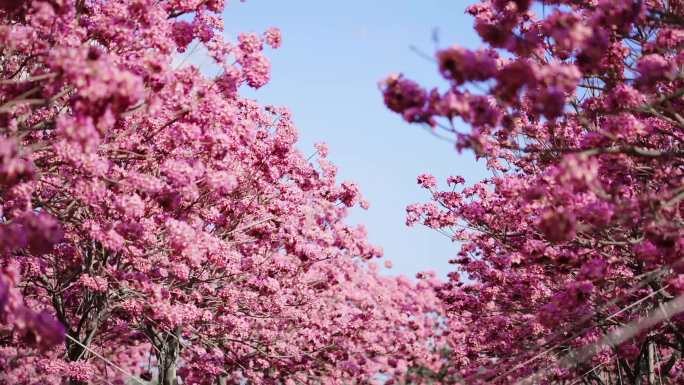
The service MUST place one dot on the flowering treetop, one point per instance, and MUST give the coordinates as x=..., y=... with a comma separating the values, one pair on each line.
x=576, y=107
x=155, y=222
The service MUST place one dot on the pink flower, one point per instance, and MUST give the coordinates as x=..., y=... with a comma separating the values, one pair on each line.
x=557, y=225
x=461, y=65
x=322, y=149
x=45, y=328
x=350, y=194
x=402, y=94
x=427, y=181
x=13, y=167
x=250, y=43
x=96, y=284
x=256, y=69
x=594, y=269
x=183, y=35
x=455, y=180
x=273, y=37
x=654, y=68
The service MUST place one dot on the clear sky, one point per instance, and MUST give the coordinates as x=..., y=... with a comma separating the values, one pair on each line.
x=326, y=72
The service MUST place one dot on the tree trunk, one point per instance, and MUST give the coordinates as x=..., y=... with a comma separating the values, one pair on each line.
x=168, y=358
x=651, y=364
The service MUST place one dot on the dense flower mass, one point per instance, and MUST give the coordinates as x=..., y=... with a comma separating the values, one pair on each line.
x=569, y=269
x=154, y=223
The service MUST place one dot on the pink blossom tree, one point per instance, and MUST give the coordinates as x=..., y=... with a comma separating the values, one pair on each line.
x=569, y=269
x=155, y=223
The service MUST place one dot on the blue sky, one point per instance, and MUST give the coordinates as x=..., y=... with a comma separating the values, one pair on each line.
x=326, y=72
